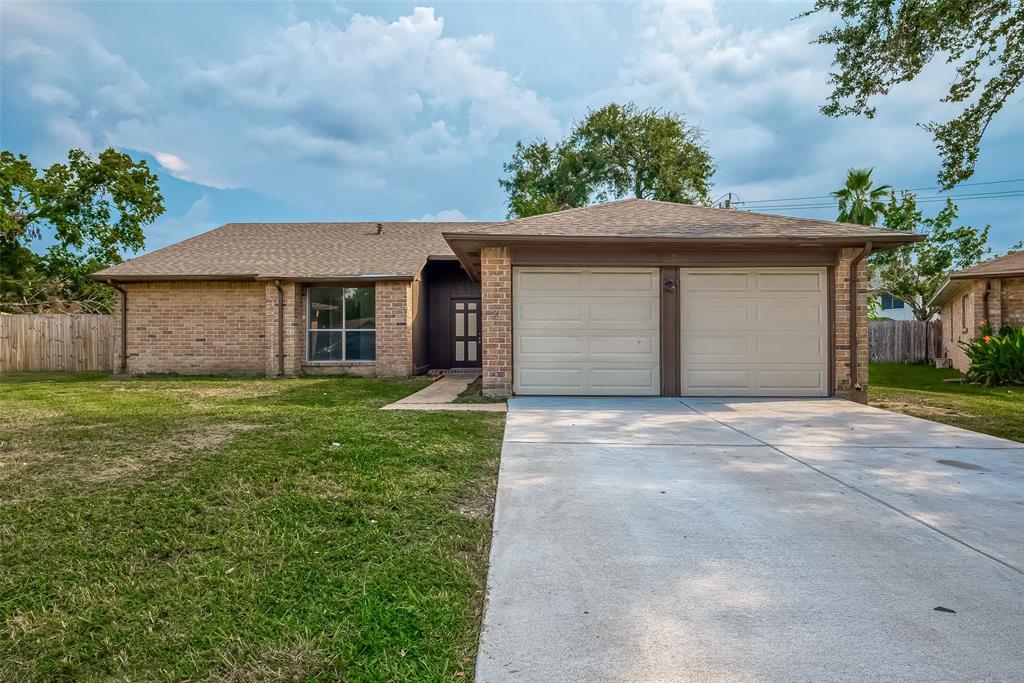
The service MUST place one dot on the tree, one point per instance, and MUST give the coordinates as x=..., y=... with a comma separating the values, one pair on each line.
x=914, y=272
x=90, y=210
x=882, y=43
x=859, y=201
x=616, y=151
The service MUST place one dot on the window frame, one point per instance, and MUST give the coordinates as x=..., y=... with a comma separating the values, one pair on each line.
x=344, y=330
x=963, y=312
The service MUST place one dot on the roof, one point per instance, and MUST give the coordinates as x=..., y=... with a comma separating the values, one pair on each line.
x=655, y=219
x=338, y=251
x=1004, y=266
x=1011, y=265
x=294, y=251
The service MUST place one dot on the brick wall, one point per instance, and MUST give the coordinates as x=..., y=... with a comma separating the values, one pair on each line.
x=294, y=329
x=496, y=320
x=1012, y=302
x=956, y=326
x=844, y=317
x=394, y=329
x=195, y=328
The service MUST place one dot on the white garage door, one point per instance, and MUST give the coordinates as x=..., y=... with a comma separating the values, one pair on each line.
x=754, y=332
x=586, y=331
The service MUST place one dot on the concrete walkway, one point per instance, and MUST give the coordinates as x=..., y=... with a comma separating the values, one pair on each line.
x=440, y=394
x=740, y=540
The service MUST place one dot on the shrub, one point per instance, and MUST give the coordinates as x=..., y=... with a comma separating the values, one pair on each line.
x=996, y=359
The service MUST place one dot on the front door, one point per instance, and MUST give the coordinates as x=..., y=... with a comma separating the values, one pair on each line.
x=466, y=331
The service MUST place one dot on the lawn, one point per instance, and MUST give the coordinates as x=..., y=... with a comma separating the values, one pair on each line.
x=919, y=390
x=239, y=529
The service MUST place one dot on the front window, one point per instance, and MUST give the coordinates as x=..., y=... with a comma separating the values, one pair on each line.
x=341, y=324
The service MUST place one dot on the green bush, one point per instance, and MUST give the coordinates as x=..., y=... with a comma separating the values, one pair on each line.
x=996, y=359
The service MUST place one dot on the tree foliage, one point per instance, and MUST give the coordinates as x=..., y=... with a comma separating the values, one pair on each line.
x=914, y=272
x=90, y=211
x=616, y=151
x=859, y=201
x=882, y=43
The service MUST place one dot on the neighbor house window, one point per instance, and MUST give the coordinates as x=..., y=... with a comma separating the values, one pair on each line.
x=963, y=312
x=889, y=302
x=341, y=324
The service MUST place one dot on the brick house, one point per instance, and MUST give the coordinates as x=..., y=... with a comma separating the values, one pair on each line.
x=991, y=292
x=633, y=297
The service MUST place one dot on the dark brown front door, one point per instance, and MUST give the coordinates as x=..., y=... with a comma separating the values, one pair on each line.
x=466, y=331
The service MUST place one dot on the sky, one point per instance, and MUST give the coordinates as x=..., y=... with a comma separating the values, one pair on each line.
x=331, y=111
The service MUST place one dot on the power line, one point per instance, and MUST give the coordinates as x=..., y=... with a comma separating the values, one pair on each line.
x=832, y=205
x=909, y=189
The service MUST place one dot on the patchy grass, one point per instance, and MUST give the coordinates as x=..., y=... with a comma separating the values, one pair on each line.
x=203, y=528
x=474, y=393
x=919, y=390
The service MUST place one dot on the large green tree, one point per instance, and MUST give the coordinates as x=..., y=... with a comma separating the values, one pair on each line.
x=860, y=201
x=882, y=43
x=914, y=272
x=616, y=151
x=89, y=211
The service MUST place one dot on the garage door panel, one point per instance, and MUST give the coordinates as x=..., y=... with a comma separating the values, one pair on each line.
x=550, y=281
x=790, y=282
x=767, y=337
x=717, y=281
x=795, y=314
x=586, y=331
x=543, y=344
x=641, y=347
x=623, y=310
x=618, y=283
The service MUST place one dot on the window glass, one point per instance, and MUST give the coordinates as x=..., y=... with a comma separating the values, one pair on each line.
x=359, y=308
x=890, y=302
x=326, y=308
x=341, y=324
x=360, y=345
x=325, y=346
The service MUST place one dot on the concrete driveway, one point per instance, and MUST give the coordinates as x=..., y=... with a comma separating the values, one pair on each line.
x=752, y=539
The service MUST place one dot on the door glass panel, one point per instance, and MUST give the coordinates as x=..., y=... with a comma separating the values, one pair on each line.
x=471, y=324
x=459, y=307
x=460, y=351
x=472, y=351
x=460, y=324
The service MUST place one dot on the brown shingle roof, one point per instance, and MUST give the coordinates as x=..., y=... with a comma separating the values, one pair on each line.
x=655, y=219
x=1009, y=265
x=294, y=250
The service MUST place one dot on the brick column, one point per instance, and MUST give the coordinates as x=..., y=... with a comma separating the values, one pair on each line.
x=394, y=328
x=844, y=317
x=496, y=307
x=294, y=329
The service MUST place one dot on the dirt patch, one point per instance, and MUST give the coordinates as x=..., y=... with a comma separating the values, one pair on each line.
x=295, y=662
x=916, y=409
x=101, y=460
x=480, y=500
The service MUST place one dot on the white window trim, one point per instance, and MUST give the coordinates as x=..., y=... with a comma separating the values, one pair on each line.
x=344, y=330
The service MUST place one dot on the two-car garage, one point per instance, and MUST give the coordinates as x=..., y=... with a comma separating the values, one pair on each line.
x=742, y=331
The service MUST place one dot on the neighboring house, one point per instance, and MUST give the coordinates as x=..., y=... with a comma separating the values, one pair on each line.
x=991, y=292
x=627, y=298
x=889, y=306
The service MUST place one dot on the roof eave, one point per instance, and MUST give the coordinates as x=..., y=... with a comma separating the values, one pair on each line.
x=945, y=292
x=235, y=277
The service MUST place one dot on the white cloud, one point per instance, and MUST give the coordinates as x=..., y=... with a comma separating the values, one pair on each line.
x=371, y=91
x=757, y=93
x=445, y=216
x=168, y=229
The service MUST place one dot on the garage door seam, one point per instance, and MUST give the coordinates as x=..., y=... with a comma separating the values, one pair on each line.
x=863, y=493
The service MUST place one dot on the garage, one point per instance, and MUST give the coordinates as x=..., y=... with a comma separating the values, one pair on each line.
x=754, y=331
x=586, y=331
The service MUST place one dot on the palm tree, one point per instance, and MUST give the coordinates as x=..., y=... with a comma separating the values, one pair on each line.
x=858, y=201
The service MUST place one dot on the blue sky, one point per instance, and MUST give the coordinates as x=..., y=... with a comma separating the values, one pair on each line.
x=292, y=111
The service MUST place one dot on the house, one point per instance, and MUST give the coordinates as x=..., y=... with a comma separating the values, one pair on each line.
x=890, y=307
x=633, y=297
x=991, y=292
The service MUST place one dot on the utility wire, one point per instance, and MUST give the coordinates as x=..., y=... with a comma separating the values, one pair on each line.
x=909, y=189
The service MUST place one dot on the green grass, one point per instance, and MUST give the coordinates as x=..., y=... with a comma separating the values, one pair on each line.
x=474, y=393
x=919, y=390
x=203, y=528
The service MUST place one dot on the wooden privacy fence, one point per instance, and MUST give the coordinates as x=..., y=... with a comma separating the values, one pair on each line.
x=56, y=342
x=905, y=341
